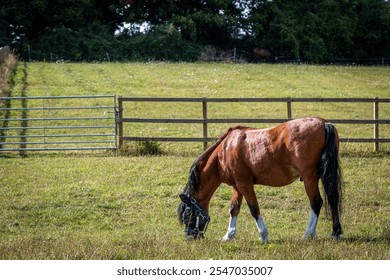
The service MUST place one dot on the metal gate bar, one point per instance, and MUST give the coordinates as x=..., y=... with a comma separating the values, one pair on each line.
x=89, y=127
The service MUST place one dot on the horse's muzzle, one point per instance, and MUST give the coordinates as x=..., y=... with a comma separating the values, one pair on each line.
x=193, y=236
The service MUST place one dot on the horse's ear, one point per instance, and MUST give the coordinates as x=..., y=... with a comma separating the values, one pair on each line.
x=185, y=198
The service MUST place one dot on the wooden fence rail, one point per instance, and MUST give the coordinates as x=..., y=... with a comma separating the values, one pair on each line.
x=205, y=120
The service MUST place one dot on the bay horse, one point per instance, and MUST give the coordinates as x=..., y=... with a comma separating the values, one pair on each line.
x=305, y=148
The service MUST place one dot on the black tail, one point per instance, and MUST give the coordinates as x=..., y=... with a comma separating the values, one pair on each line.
x=330, y=173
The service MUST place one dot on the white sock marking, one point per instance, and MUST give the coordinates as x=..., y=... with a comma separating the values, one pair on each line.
x=263, y=231
x=310, y=231
x=231, y=232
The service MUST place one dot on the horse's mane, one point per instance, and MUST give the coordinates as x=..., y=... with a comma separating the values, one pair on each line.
x=193, y=179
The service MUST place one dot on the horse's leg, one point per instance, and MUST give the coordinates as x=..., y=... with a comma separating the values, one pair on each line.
x=312, y=191
x=250, y=196
x=234, y=210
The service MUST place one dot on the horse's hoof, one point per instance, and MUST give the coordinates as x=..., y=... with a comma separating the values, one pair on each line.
x=264, y=240
x=229, y=236
x=227, y=239
x=264, y=236
x=336, y=237
x=307, y=237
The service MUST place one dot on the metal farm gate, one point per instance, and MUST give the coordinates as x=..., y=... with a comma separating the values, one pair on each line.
x=50, y=123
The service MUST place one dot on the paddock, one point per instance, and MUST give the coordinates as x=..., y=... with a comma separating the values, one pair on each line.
x=107, y=204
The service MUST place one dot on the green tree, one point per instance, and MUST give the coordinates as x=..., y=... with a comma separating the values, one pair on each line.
x=162, y=42
x=213, y=22
x=372, y=35
x=37, y=21
x=321, y=30
x=315, y=31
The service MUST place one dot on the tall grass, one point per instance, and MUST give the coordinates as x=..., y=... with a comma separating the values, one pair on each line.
x=105, y=205
x=8, y=62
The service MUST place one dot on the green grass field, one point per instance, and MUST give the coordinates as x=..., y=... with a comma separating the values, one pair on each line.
x=107, y=205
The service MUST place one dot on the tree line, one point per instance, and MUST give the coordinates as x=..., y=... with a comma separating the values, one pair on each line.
x=313, y=31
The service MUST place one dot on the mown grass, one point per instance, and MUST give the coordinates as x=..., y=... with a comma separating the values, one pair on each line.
x=212, y=80
x=105, y=205
x=220, y=80
x=198, y=79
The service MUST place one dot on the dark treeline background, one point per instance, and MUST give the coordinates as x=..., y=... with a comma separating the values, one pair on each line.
x=312, y=31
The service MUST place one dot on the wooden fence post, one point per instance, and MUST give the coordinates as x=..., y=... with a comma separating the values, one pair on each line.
x=204, y=110
x=289, y=112
x=120, y=123
x=376, y=125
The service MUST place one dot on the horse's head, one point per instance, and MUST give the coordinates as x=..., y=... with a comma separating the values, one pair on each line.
x=194, y=217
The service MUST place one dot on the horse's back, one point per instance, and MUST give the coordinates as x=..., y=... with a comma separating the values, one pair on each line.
x=275, y=156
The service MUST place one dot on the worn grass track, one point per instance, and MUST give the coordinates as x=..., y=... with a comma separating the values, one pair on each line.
x=104, y=205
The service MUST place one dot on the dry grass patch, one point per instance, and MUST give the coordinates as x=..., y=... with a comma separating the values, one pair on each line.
x=8, y=62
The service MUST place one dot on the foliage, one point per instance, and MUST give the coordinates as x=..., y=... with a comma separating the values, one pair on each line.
x=315, y=31
x=141, y=148
x=311, y=31
x=162, y=43
x=89, y=44
x=148, y=148
x=204, y=22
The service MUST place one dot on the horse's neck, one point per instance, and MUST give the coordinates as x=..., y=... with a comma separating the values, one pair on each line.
x=209, y=180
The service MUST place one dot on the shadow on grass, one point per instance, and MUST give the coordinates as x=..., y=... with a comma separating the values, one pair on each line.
x=24, y=122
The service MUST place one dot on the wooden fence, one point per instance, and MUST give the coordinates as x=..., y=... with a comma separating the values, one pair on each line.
x=375, y=121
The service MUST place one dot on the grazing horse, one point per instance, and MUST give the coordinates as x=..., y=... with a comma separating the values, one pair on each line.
x=304, y=148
